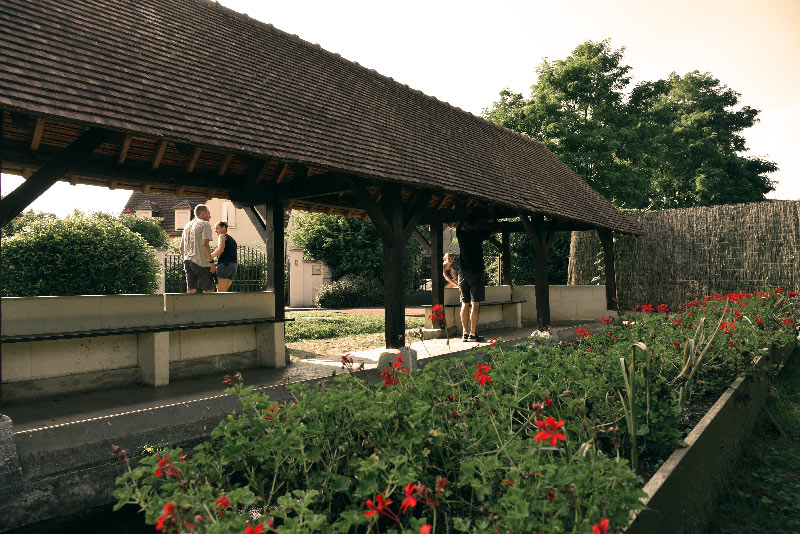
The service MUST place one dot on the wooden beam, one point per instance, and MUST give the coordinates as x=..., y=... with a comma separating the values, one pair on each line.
x=37, y=133
x=276, y=278
x=505, y=260
x=495, y=242
x=313, y=186
x=123, y=149
x=372, y=208
x=146, y=189
x=426, y=247
x=607, y=241
x=414, y=213
x=255, y=172
x=162, y=146
x=541, y=237
x=223, y=168
x=393, y=268
x=282, y=175
x=179, y=192
x=193, y=159
x=437, y=276
x=49, y=173
x=113, y=185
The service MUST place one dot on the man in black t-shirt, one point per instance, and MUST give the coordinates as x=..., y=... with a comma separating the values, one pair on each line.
x=471, y=277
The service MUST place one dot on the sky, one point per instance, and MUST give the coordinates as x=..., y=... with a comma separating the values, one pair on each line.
x=465, y=52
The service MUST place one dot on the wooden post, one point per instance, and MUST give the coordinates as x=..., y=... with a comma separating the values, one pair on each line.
x=276, y=276
x=437, y=276
x=541, y=238
x=607, y=241
x=505, y=260
x=49, y=173
x=393, y=267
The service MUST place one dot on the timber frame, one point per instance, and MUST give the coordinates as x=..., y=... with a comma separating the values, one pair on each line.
x=126, y=99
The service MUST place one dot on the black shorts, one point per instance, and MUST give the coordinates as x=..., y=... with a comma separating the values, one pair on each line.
x=197, y=276
x=472, y=286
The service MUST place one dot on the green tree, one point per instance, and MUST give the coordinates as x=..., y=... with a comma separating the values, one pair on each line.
x=81, y=255
x=675, y=142
x=694, y=143
x=30, y=216
x=346, y=245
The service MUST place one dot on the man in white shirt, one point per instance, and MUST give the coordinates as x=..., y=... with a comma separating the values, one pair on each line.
x=196, y=251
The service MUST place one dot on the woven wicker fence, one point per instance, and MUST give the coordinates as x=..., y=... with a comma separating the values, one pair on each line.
x=740, y=247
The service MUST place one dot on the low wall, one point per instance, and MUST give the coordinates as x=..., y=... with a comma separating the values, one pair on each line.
x=42, y=368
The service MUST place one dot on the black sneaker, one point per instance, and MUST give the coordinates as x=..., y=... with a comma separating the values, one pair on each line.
x=466, y=336
x=475, y=337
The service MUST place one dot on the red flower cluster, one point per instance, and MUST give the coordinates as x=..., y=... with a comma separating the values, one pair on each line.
x=492, y=342
x=380, y=507
x=607, y=320
x=582, y=332
x=409, y=501
x=165, y=467
x=552, y=434
x=663, y=308
x=250, y=530
x=648, y=308
x=222, y=503
x=482, y=374
x=437, y=313
x=391, y=375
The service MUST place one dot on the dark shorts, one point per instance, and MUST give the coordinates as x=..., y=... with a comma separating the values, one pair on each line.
x=198, y=277
x=472, y=286
x=226, y=270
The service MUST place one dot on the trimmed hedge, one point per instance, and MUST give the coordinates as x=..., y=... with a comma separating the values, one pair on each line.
x=82, y=255
x=350, y=291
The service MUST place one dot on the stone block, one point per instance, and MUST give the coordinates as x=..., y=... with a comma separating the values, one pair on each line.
x=153, y=358
x=271, y=345
x=10, y=471
x=389, y=356
x=512, y=315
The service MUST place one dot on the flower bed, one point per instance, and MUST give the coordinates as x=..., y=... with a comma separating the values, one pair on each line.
x=536, y=438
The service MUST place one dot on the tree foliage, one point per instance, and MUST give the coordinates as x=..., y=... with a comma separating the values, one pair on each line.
x=346, y=245
x=81, y=255
x=675, y=142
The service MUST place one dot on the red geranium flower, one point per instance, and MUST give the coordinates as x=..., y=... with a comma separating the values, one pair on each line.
x=221, y=504
x=482, y=374
x=552, y=434
x=165, y=467
x=601, y=528
x=582, y=332
x=676, y=345
x=647, y=308
x=441, y=483
x=169, y=512
x=380, y=507
x=409, y=501
x=663, y=308
x=548, y=402
x=492, y=342
x=436, y=313
x=425, y=529
x=250, y=530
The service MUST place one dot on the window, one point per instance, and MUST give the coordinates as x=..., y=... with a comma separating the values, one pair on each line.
x=181, y=218
x=229, y=214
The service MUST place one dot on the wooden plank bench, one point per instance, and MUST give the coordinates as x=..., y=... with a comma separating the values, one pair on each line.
x=505, y=313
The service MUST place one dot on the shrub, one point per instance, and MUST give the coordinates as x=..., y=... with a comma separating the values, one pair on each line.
x=148, y=227
x=82, y=255
x=349, y=292
x=24, y=220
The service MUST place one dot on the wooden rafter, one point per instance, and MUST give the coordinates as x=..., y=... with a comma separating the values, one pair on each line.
x=179, y=192
x=162, y=147
x=193, y=159
x=223, y=168
x=37, y=134
x=282, y=175
x=113, y=185
x=123, y=151
x=146, y=189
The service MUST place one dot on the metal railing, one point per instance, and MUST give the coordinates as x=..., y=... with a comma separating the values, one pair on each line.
x=251, y=272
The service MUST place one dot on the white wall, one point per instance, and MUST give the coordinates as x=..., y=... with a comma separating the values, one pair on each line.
x=305, y=279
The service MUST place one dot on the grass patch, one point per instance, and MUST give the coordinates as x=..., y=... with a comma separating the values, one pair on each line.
x=327, y=325
x=762, y=497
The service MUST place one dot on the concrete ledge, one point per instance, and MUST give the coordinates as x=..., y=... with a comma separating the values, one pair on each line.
x=683, y=492
x=68, y=384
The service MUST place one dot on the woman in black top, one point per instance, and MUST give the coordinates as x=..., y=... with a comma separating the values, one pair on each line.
x=450, y=274
x=226, y=254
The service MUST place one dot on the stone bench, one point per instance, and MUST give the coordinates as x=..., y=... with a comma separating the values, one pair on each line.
x=499, y=310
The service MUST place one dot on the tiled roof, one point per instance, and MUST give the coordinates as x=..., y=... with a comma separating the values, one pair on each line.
x=191, y=71
x=164, y=206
